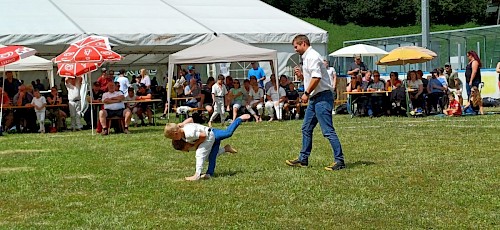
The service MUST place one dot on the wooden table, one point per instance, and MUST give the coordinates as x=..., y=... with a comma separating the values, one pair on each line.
x=349, y=97
x=31, y=106
x=138, y=101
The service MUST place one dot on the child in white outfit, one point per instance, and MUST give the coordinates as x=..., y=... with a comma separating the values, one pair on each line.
x=39, y=103
x=73, y=85
x=275, y=100
x=218, y=92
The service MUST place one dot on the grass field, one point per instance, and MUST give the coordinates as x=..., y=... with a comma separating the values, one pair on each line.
x=402, y=173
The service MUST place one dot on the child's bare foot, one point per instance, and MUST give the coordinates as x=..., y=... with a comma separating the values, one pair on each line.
x=210, y=124
x=256, y=118
x=271, y=119
x=230, y=149
x=192, y=178
x=245, y=117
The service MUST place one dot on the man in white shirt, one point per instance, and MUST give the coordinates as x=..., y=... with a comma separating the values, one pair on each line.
x=73, y=85
x=318, y=92
x=333, y=77
x=113, y=106
x=145, y=78
x=219, y=91
x=124, y=82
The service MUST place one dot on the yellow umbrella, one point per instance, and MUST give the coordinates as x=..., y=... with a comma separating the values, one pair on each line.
x=403, y=56
x=427, y=51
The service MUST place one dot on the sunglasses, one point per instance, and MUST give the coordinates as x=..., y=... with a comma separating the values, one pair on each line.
x=376, y=75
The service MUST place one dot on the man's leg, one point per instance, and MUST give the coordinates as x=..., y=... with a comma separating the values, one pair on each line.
x=323, y=111
x=102, y=118
x=72, y=113
x=78, y=107
x=127, y=115
x=310, y=122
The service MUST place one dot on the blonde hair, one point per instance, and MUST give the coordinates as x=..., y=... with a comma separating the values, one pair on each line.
x=170, y=130
x=476, y=99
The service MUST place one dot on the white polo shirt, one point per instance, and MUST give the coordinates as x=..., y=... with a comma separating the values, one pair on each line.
x=313, y=67
x=219, y=90
x=276, y=95
x=113, y=106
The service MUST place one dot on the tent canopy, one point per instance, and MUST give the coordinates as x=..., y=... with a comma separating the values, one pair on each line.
x=32, y=63
x=145, y=32
x=220, y=50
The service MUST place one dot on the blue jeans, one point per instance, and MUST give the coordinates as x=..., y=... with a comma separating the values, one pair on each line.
x=219, y=136
x=468, y=87
x=320, y=110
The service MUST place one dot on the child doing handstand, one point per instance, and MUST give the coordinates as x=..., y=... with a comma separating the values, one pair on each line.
x=205, y=140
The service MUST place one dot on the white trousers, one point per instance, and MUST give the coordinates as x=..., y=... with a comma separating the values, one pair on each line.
x=260, y=107
x=271, y=106
x=40, y=117
x=204, y=150
x=219, y=109
x=74, y=112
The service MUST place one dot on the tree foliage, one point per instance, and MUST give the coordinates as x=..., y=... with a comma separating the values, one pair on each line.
x=392, y=13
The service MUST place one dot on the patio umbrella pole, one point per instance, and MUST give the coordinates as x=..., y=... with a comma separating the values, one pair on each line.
x=1, y=101
x=91, y=105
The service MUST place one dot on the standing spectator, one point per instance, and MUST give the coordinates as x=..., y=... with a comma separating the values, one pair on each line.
x=145, y=78
x=276, y=97
x=104, y=79
x=193, y=74
x=207, y=92
x=143, y=108
x=11, y=86
x=472, y=71
x=7, y=115
x=258, y=72
x=75, y=106
x=229, y=82
x=39, y=85
x=318, y=92
x=425, y=82
x=39, y=104
x=124, y=83
x=219, y=91
x=357, y=68
x=450, y=75
x=475, y=104
x=255, y=99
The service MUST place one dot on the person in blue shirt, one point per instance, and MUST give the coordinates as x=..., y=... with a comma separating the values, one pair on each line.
x=436, y=91
x=258, y=72
x=192, y=72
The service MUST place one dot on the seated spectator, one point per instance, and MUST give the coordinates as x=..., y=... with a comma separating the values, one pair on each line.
x=91, y=119
x=375, y=101
x=131, y=105
x=194, y=90
x=7, y=115
x=24, y=117
x=268, y=84
x=113, y=106
x=416, y=96
x=255, y=99
x=454, y=109
x=458, y=89
x=143, y=108
x=367, y=80
x=276, y=97
x=38, y=85
x=436, y=90
x=56, y=115
x=475, y=104
x=292, y=101
x=425, y=82
x=284, y=82
x=207, y=92
x=193, y=74
x=393, y=81
x=11, y=84
x=354, y=85
x=237, y=97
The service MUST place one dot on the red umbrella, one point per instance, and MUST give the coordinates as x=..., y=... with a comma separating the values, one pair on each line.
x=89, y=49
x=76, y=69
x=8, y=55
x=11, y=54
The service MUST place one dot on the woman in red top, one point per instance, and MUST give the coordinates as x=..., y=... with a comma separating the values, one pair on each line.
x=393, y=82
x=454, y=108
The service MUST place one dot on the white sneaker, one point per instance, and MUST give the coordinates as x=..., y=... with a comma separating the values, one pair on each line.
x=297, y=116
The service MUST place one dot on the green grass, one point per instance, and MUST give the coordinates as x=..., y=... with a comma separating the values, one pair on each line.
x=340, y=33
x=402, y=173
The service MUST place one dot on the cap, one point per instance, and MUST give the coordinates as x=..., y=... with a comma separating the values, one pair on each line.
x=447, y=64
x=191, y=67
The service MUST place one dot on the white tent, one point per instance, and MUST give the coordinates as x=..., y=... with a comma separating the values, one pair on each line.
x=146, y=32
x=220, y=50
x=32, y=63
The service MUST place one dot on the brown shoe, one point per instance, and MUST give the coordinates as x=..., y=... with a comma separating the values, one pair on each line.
x=126, y=131
x=105, y=132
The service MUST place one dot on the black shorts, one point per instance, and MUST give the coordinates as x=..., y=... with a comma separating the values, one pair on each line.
x=114, y=113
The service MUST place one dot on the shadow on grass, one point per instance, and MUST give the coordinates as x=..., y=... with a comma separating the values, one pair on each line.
x=360, y=163
x=227, y=173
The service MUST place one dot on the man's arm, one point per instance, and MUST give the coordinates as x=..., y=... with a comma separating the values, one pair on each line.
x=187, y=121
x=147, y=97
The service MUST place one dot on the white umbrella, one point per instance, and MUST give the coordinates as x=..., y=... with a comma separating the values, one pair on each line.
x=358, y=49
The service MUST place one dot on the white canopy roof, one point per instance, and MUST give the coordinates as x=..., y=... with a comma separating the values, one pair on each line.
x=147, y=31
x=220, y=50
x=32, y=63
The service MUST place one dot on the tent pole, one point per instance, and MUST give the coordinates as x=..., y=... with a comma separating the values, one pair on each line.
x=91, y=101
